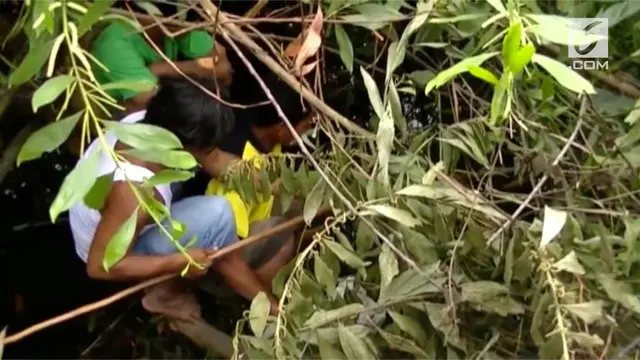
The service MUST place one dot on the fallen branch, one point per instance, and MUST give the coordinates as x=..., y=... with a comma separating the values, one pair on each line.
x=287, y=225
x=536, y=189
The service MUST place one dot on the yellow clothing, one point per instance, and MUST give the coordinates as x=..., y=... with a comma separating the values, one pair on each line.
x=245, y=213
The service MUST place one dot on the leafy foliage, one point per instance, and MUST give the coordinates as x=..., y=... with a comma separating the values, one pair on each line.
x=433, y=262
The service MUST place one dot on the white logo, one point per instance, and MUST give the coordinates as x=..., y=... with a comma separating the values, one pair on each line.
x=591, y=27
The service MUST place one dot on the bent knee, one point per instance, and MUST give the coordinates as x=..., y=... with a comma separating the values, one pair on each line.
x=219, y=214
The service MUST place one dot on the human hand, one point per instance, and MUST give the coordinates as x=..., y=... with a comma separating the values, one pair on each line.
x=216, y=64
x=202, y=257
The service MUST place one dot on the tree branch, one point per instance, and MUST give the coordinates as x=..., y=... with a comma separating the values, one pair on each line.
x=285, y=226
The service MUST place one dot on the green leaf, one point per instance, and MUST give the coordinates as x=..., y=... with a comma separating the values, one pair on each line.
x=365, y=237
x=324, y=274
x=395, y=57
x=288, y=178
x=618, y=12
x=589, y=312
x=265, y=184
x=372, y=16
x=423, y=9
x=96, y=197
x=634, y=114
x=345, y=47
x=501, y=305
x=421, y=77
x=50, y=90
x=565, y=76
x=396, y=109
x=384, y=141
x=402, y=216
x=323, y=317
x=411, y=326
x=259, y=313
x=170, y=158
x=76, y=184
x=135, y=85
x=459, y=68
x=619, y=292
x=168, y=176
x=553, y=223
x=328, y=351
x=119, y=244
x=522, y=58
x=479, y=291
x=412, y=283
x=388, y=266
x=353, y=346
x=445, y=193
x=374, y=94
x=400, y=343
x=93, y=14
x=277, y=284
x=313, y=201
x=32, y=63
x=585, y=340
x=569, y=264
x=511, y=43
x=498, y=5
x=499, y=99
x=483, y=74
x=144, y=136
x=47, y=138
x=441, y=319
x=344, y=241
x=345, y=255
x=560, y=30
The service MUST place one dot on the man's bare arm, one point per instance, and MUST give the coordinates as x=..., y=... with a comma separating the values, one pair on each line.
x=120, y=204
x=215, y=64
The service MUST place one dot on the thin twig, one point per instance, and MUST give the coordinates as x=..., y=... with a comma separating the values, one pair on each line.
x=287, y=225
x=565, y=148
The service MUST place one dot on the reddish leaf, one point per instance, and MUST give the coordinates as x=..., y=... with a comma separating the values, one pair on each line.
x=312, y=41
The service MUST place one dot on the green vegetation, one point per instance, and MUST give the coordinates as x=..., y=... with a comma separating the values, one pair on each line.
x=508, y=228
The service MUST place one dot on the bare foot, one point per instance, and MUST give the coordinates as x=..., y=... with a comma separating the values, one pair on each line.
x=172, y=299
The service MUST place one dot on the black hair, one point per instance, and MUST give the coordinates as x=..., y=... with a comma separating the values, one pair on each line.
x=196, y=118
x=248, y=91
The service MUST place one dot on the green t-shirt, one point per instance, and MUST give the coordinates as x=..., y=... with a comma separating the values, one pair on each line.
x=127, y=54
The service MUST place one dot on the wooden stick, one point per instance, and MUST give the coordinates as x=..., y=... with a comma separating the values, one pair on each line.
x=287, y=225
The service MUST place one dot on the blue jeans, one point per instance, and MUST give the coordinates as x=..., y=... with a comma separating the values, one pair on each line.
x=209, y=218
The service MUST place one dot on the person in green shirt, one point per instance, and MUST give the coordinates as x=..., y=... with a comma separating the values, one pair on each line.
x=128, y=56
